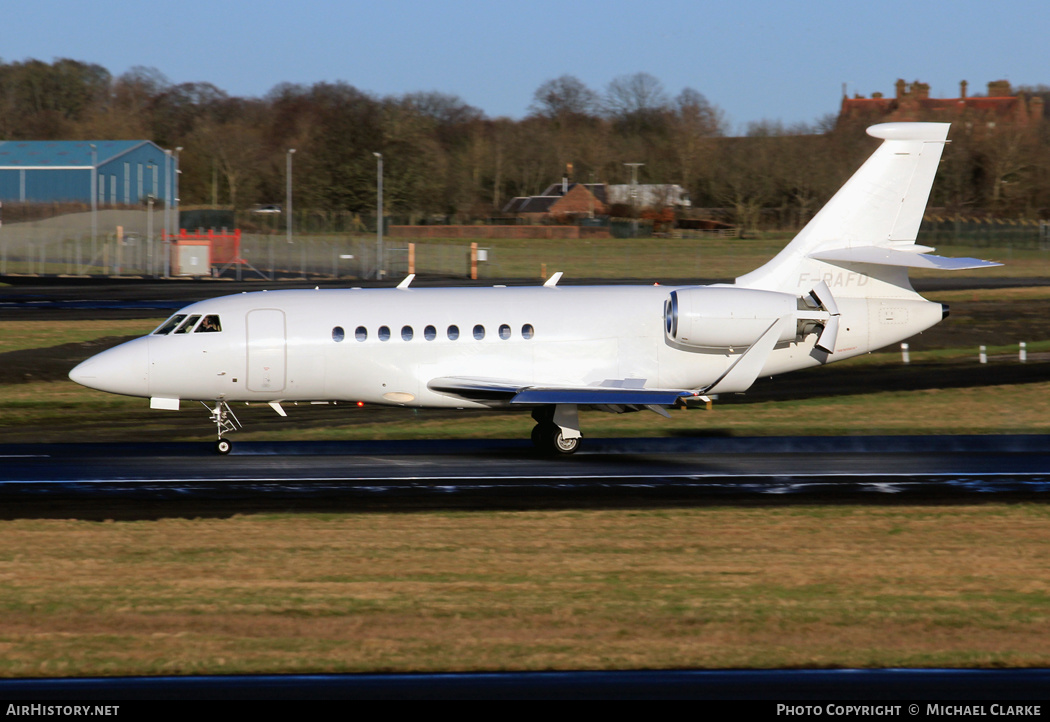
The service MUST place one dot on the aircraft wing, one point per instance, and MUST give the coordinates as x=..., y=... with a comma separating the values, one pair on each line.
x=626, y=392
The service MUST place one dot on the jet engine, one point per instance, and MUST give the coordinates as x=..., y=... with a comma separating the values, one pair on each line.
x=718, y=317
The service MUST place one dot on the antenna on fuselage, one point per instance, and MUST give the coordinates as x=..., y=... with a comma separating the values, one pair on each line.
x=408, y=280
x=553, y=280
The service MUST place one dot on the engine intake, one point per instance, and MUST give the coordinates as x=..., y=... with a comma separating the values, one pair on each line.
x=710, y=317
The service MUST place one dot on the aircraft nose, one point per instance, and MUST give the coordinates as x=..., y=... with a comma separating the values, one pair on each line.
x=123, y=369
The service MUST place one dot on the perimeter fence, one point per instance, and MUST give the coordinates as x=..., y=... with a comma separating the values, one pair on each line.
x=272, y=257
x=29, y=250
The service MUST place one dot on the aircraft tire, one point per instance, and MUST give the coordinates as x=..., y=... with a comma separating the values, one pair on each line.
x=223, y=446
x=548, y=439
x=564, y=446
x=539, y=437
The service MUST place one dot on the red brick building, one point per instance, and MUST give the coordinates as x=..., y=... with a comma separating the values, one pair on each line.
x=561, y=203
x=912, y=102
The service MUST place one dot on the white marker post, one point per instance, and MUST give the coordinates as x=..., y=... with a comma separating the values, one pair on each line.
x=983, y=355
x=1023, y=355
x=905, y=356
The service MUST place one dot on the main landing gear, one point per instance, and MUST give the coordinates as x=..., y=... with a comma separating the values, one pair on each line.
x=557, y=430
x=225, y=422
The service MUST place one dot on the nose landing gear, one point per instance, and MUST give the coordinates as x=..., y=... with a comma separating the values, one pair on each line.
x=225, y=422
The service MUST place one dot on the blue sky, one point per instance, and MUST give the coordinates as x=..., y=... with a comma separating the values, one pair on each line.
x=783, y=60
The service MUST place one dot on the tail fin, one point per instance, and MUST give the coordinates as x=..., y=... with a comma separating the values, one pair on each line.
x=863, y=241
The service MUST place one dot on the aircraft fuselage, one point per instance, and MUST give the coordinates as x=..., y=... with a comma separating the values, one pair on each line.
x=384, y=346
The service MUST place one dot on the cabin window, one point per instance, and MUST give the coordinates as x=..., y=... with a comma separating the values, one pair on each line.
x=384, y=333
x=453, y=333
x=188, y=324
x=338, y=334
x=210, y=324
x=430, y=333
x=361, y=334
x=170, y=325
x=527, y=331
x=479, y=332
x=504, y=332
x=406, y=333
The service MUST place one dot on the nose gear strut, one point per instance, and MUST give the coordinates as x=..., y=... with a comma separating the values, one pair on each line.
x=226, y=422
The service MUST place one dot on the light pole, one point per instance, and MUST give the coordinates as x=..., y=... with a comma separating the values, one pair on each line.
x=94, y=198
x=379, y=216
x=288, y=196
x=149, y=235
x=634, y=197
x=167, y=196
x=178, y=149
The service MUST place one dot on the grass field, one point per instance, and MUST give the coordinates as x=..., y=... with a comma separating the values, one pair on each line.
x=667, y=258
x=650, y=259
x=777, y=585
x=674, y=588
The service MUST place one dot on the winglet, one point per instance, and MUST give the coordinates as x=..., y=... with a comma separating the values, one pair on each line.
x=408, y=280
x=553, y=280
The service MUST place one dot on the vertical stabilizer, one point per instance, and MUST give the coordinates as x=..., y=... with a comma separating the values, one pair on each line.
x=876, y=214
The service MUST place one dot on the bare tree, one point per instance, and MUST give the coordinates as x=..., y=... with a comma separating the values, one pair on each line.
x=563, y=98
x=693, y=123
x=635, y=95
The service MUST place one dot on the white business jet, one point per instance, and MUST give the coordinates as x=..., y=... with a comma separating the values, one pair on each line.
x=838, y=290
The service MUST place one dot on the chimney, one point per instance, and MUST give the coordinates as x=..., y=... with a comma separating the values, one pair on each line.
x=900, y=88
x=999, y=89
x=962, y=90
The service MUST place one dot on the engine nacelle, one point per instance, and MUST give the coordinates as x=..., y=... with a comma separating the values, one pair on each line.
x=726, y=317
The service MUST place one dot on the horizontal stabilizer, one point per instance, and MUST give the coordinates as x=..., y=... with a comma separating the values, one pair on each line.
x=882, y=256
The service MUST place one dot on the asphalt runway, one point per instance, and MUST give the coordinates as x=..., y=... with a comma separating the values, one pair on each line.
x=510, y=474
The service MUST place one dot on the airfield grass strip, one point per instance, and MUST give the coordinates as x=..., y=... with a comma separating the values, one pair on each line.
x=669, y=588
x=18, y=335
x=62, y=411
x=669, y=258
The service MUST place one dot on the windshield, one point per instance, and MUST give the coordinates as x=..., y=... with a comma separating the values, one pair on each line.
x=210, y=324
x=188, y=324
x=169, y=325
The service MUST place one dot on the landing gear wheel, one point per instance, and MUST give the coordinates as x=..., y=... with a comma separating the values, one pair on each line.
x=549, y=439
x=223, y=446
x=562, y=445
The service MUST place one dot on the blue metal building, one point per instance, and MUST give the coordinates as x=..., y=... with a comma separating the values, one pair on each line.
x=116, y=172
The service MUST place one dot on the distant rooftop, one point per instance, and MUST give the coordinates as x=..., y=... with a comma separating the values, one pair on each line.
x=61, y=153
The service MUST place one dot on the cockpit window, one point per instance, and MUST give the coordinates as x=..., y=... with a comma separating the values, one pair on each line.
x=170, y=325
x=211, y=324
x=188, y=324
